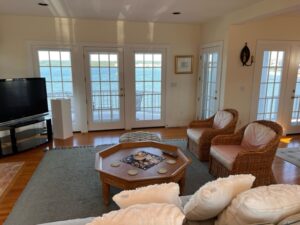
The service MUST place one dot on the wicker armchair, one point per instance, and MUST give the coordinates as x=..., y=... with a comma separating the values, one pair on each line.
x=256, y=161
x=201, y=132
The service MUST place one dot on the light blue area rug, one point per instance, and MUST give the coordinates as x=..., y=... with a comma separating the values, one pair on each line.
x=66, y=186
x=291, y=155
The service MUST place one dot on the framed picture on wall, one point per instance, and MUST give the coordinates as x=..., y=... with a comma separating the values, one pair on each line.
x=184, y=64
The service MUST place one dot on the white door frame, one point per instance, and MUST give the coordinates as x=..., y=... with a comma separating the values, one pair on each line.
x=34, y=47
x=275, y=46
x=200, y=83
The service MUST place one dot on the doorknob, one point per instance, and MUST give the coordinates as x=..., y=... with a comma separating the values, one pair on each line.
x=215, y=98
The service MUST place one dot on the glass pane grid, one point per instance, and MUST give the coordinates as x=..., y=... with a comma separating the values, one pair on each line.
x=55, y=66
x=105, y=90
x=270, y=84
x=295, y=119
x=210, y=81
x=148, y=67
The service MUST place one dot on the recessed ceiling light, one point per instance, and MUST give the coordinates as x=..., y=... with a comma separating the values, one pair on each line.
x=42, y=4
x=176, y=13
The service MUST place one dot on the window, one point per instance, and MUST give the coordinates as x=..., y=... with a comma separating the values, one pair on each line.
x=295, y=120
x=105, y=90
x=148, y=80
x=56, y=67
x=270, y=85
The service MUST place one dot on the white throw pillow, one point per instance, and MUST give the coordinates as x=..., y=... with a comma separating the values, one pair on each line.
x=157, y=193
x=143, y=214
x=214, y=196
x=261, y=205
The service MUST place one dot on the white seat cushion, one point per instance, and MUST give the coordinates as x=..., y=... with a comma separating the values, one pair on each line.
x=226, y=154
x=222, y=119
x=157, y=193
x=257, y=136
x=266, y=204
x=195, y=134
x=144, y=214
x=214, y=196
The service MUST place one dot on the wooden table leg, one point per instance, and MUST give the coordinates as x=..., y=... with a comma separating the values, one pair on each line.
x=181, y=185
x=105, y=192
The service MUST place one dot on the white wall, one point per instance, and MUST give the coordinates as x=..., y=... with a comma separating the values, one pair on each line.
x=260, y=21
x=239, y=78
x=18, y=31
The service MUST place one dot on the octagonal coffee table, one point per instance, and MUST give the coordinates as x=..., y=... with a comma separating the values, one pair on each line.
x=114, y=165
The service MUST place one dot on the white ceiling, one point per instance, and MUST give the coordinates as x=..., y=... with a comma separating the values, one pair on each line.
x=193, y=11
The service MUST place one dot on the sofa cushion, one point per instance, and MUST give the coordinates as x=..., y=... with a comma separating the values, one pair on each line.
x=226, y=154
x=214, y=196
x=142, y=214
x=82, y=221
x=157, y=193
x=261, y=205
x=195, y=134
x=222, y=119
x=257, y=136
x=294, y=219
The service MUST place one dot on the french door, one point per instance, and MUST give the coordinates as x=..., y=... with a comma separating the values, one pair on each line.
x=210, y=77
x=149, y=80
x=276, y=93
x=121, y=96
x=104, y=85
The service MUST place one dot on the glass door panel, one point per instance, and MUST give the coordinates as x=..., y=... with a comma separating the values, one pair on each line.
x=56, y=67
x=148, y=91
x=270, y=85
x=211, y=81
x=105, y=92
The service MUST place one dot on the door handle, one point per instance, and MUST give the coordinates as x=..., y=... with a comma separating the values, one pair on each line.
x=122, y=95
x=215, y=98
x=293, y=97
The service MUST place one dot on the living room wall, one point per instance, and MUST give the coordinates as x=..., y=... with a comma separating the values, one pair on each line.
x=261, y=21
x=181, y=39
x=239, y=78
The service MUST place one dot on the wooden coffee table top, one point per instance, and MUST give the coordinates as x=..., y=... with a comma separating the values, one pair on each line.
x=116, y=153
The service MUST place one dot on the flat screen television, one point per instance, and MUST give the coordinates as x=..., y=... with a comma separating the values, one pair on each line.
x=22, y=98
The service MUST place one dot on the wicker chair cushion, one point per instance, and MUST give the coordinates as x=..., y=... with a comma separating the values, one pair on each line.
x=257, y=136
x=141, y=214
x=195, y=134
x=226, y=154
x=262, y=204
x=222, y=119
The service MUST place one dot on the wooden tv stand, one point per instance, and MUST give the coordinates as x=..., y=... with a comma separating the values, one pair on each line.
x=18, y=141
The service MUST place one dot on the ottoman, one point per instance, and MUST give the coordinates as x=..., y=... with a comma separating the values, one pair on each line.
x=139, y=136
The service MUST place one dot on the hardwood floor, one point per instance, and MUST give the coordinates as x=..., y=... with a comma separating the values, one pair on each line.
x=284, y=171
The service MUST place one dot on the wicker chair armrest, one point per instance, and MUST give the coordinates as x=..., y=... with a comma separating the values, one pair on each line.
x=231, y=139
x=253, y=159
x=201, y=123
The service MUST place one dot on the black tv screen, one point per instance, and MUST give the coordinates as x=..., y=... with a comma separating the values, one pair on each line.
x=22, y=98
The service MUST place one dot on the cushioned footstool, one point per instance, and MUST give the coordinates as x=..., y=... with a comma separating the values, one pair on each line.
x=139, y=136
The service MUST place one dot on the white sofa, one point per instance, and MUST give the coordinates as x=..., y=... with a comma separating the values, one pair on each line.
x=291, y=220
x=225, y=201
x=84, y=221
